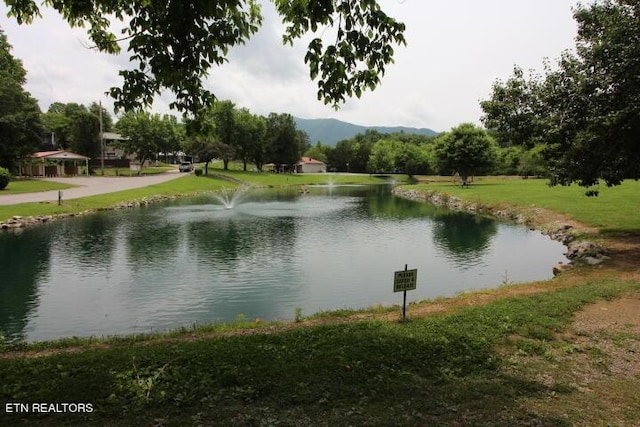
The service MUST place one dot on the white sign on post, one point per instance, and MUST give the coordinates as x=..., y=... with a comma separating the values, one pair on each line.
x=405, y=280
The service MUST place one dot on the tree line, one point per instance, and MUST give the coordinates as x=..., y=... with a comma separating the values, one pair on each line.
x=582, y=115
x=465, y=150
x=577, y=122
x=222, y=132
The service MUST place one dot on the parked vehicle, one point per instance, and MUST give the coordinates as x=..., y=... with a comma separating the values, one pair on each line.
x=185, y=167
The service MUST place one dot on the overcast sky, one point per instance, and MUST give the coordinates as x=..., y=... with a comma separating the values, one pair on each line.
x=456, y=49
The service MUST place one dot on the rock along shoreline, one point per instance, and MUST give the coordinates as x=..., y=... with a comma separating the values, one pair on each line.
x=17, y=223
x=578, y=251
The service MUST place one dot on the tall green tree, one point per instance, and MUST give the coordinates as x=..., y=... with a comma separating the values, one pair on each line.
x=173, y=44
x=144, y=133
x=391, y=154
x=170, y=135
x=251, y=133
x=85, y=136
x=514, y=110
x=413, y=159
x=21, y=128
x=595, y=136
x=213, y=134
x=362, y=146
x=318, y=152
x=586, y=109
x=341, y=156
x=76, y=127
x=283, y=140
x=223, y=114
x=466, y=150
x=107, y=120
x=60, y=126
x=383, y=156
x=353, y=154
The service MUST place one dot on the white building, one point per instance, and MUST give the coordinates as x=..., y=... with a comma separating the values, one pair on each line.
x=309, y=165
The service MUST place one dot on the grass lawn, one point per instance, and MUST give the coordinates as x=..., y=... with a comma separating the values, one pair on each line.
x=282, y=179
x=189, y=184
x=436, y=370
x=151, y=170
x=17, y=186
x=615, y=209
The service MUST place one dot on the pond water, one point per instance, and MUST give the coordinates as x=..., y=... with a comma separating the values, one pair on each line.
x=195, y=261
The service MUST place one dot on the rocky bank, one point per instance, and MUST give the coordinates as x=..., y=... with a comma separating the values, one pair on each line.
x=578, y=250
x=20, y=222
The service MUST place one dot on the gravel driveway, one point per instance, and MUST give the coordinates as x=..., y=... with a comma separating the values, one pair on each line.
x=89, y=186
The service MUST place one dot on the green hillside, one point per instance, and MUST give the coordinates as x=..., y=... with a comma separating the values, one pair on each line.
x=330, y=131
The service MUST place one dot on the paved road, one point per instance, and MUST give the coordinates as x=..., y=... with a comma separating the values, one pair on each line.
x=89, y=186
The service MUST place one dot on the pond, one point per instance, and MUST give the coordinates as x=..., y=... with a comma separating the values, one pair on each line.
x=274, y=252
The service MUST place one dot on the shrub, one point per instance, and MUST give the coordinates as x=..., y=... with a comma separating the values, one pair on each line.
x=5, y=177
x=198, y=172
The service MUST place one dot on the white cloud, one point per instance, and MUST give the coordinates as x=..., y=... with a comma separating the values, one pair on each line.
x=456, y=49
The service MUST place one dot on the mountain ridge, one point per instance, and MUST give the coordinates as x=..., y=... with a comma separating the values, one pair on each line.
x=331, y=131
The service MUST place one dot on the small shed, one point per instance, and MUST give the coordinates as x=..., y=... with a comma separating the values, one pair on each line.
x=56, y=163
x=310, y=165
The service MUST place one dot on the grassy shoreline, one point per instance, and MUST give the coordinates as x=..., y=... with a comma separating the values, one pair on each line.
x=508, y=356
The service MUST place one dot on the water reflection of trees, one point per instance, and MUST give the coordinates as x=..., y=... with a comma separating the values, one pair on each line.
x=151, y=240
x=379, y=203
x=462, y=237
x=24, y=261
x=245, y=249
x=230, y=239
x=89, y=239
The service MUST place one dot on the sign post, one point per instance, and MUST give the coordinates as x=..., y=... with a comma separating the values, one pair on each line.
x=403, y=281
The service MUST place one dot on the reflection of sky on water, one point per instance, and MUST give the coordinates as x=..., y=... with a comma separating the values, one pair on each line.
x=178, y=264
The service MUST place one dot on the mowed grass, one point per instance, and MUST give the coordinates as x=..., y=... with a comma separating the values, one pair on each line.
x=269, y=179
x=151, y=170
x=188, y=184
x=438, y=370
x=615, y=209
x=17, y=186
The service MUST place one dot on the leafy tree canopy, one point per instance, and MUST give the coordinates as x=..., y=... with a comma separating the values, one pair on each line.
x=250, y=138
x=466, y=150
x=587, y=110
x=514, y=109
x=285, y=142
x=10, y=67
x=20, y=125
x=148, y=134
x=77, y=127
x=383, y=156
x=173, y=44
x=318, y=152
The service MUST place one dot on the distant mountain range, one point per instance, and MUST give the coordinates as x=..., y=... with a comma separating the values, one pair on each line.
x=330, y=131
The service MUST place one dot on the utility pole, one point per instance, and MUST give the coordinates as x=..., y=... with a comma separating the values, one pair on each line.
x=101, y=142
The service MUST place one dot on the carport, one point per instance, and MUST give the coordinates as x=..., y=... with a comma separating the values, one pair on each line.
x=56, y=163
